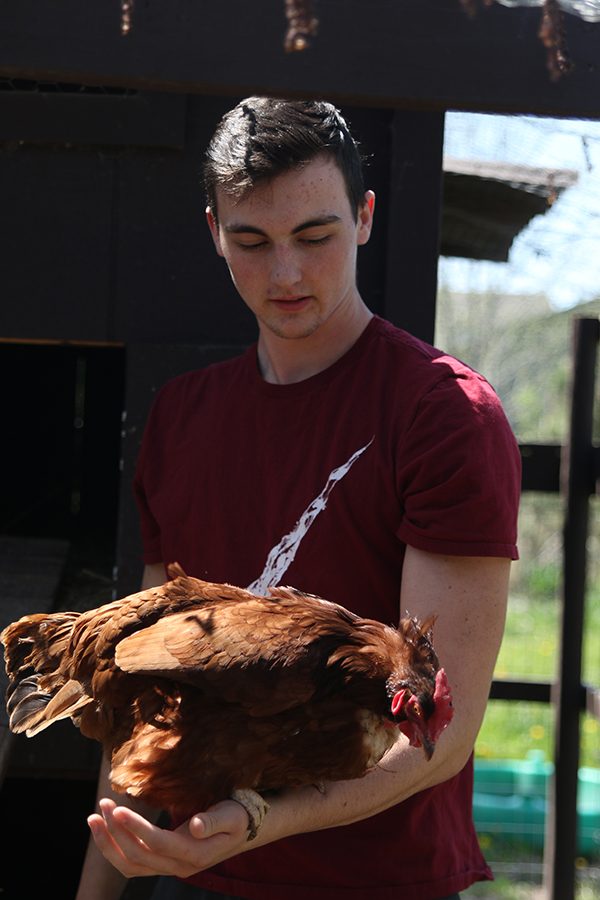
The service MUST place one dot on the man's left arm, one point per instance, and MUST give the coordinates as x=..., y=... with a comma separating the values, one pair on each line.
x=468, y=596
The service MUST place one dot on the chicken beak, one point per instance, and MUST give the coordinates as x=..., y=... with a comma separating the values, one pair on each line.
x=416, y=727
x=428, y=746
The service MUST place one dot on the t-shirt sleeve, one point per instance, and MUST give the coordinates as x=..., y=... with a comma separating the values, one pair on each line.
x=459, y=473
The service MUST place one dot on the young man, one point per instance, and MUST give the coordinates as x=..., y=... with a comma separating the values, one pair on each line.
x=344, y=457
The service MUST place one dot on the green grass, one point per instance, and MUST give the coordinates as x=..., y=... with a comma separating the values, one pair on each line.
x=507, y=889
x=530, y=651
x=511, y=730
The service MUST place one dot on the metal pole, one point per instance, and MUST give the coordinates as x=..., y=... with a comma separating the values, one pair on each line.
x=577, y=472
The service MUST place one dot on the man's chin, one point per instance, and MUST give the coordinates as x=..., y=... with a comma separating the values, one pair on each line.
x=292, y=327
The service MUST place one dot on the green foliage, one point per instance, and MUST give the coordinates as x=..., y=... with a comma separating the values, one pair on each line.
x=504, y=888
x=543, y=581
x=524, y=350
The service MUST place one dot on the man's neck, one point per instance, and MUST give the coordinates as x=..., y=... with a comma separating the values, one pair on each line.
x=289, y=360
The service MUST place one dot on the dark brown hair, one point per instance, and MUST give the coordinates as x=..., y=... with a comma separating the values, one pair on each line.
x=263, y=137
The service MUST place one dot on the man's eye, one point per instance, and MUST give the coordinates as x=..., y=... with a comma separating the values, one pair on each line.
x=253, y=246
x=316, y=240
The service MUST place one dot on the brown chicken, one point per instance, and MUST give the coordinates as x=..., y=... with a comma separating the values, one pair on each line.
x=197, y=690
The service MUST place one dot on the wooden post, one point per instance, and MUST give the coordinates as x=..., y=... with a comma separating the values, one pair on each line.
x=578, y=485
x=415, y=202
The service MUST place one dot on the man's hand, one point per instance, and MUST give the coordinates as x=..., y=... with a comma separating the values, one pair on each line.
x=137, y=848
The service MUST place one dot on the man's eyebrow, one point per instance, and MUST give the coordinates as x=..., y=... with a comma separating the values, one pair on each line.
x=315, y=223
x=242, y=228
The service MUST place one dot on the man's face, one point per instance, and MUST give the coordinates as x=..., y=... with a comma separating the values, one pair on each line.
x=291, y=248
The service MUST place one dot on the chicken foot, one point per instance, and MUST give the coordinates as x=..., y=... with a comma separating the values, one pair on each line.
x=255, y=805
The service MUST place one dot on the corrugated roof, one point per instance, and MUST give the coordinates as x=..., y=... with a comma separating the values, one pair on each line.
x=486, y=204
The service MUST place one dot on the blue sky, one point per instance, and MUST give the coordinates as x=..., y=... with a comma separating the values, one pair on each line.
x=558, y=253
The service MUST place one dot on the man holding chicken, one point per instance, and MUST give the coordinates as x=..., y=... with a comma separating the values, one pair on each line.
x=345, y=457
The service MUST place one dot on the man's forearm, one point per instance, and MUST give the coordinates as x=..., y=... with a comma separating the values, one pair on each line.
x=99, y=879
x=404, y=771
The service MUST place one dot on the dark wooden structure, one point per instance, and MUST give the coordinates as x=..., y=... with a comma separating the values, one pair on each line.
x=109, y=281
x=420, y=54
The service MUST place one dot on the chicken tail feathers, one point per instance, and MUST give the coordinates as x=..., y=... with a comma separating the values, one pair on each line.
x=36, y=642
x=32, y=707
x=25, y=702
x=38, y=693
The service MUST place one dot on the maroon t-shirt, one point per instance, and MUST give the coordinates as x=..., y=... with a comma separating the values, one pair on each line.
x=320, y=485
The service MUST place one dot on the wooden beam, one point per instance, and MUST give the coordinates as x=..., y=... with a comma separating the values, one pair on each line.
x=108, y=120
x=414, y=221
x=413, y=53
x=532, y=691
x=541, y=692
x=541, y=467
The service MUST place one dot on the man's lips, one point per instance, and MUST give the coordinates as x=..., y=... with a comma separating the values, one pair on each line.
x=291, y=303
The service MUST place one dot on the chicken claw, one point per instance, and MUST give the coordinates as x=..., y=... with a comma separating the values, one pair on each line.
x=256, y=807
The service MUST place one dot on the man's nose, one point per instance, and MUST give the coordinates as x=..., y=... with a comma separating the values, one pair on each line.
x=286, y=270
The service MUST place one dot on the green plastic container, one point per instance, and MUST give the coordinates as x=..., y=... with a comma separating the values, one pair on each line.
x=509, y=799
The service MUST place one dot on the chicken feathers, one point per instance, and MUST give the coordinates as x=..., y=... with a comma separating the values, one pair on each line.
x=197, y=690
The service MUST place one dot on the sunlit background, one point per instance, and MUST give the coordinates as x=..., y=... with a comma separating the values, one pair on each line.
x=558, y=254
x=513, y=322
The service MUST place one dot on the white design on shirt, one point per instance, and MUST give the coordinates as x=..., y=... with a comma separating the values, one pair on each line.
x=282, y=555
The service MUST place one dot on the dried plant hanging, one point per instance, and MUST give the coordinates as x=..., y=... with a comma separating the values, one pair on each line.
x=126, y=14
x=471, y=6
x=552, y=35
x=552, y=26
x=302, y=24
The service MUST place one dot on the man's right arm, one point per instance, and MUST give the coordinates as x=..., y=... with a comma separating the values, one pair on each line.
x=99, y=879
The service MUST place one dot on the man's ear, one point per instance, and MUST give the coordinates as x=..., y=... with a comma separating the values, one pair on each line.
x=214, y=230
x=365, y=218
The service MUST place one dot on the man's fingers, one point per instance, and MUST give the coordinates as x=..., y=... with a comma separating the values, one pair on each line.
x=203, y=825
x=111, y=850
x=150, y=848
x=136, y=847
x=227, y=817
